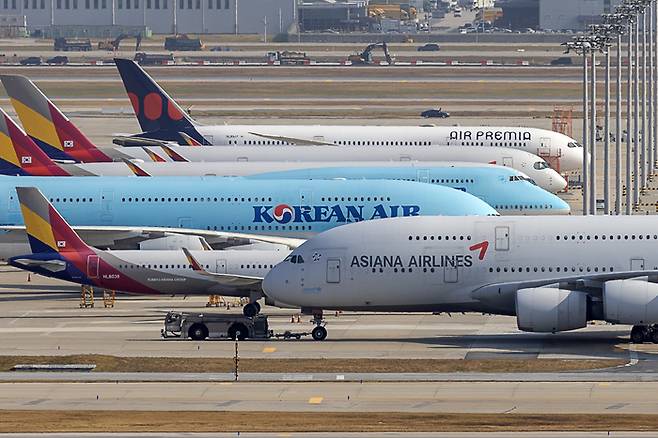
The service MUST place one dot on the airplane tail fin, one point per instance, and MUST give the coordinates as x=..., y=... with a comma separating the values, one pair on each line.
x=50, y=129
x=155, y=110
x=47, y=231
x=19, y=155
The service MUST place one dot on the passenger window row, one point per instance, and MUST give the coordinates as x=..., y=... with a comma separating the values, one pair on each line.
x=259, y=227
x=196, y=199
x=349, y=198
x=551, y=269
x=439, y=237
x=610, y=237
x=522, y=207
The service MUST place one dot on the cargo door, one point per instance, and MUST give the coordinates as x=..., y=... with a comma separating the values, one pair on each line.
x=637, y=264
x=92, y=266
x=333, y=270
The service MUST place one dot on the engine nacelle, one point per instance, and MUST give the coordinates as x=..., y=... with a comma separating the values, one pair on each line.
x=633, y=301
x=547, y=309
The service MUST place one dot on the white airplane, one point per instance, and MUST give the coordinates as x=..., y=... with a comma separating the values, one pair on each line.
x=552, y=273
x=323, y=156
x=160, y=117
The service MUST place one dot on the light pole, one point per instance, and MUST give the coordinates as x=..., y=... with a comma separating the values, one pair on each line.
x=636, y=114
x=618, y=132
x=629, y=118
x=643, y=93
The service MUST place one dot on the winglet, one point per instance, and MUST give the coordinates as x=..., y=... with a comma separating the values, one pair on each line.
x=47, y=231
x=19, y=155
x=174, y=155
x=189, y=140
x=153, y=156
x=51, y=130
x=134, y=168
x=196, y=266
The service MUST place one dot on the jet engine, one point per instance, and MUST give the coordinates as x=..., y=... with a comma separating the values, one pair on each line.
x=548, y=309
x=633, y=301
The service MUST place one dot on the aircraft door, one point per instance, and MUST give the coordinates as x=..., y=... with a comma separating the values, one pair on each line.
x=450, y=274
x=107, y=199
x=305, y=197
x=14, y=215
x=92, y=266
x=210, y=139
x=502, y=239
x=544, y=146
x=508, y=162
x=333, y=270
x=220, y=266
x=319, y=138
x=184, y=222
x=423, y=175
x=637, y=264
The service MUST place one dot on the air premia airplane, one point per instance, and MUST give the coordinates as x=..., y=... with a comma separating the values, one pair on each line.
x=552, y=273
x=161, y=118
x=58, y=252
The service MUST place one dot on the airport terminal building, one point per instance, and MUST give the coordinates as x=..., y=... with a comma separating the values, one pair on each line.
x=161, y=16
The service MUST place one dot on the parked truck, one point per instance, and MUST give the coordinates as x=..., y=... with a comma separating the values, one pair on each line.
x=182, y=42
x=62, y=44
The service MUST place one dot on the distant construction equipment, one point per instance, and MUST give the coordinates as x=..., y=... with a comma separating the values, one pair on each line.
x=365, y=57
x=113, y=45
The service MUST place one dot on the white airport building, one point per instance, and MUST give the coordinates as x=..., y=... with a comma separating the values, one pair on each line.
x=161, y=16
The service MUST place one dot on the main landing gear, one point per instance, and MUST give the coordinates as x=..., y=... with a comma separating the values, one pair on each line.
x=319, y=333
x=644, y=333
x=252, y=309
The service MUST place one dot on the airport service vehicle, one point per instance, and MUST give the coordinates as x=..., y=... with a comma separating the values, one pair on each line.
x=58, y=252
x=58, y=60
x=508, y=190
x=114, y=210
x=160, y=117
x=63, y=141
x=553, y=273
x=200, y=326
x=72, y=44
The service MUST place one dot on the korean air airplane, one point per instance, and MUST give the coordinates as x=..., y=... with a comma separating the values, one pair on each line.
x=58, y=252
x=552, y=273
x=160, y=117
x=508, y=190
x=276, y=210
x=62, y=141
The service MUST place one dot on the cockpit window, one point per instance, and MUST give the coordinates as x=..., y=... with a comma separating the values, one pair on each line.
x=573, y=144
x=295, y=259
x=541, y=165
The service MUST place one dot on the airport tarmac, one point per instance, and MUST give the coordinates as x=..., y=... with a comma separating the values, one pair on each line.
x=412, y=397
x=43, y=317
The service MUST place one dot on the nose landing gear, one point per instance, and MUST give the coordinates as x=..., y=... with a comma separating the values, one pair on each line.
x=319, y=333
x=643, y=333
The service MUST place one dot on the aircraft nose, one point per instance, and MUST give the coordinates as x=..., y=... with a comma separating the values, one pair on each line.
x=276, y=284
x=559, y=183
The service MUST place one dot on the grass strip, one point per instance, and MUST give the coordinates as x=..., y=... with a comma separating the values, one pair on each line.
x=176, y=421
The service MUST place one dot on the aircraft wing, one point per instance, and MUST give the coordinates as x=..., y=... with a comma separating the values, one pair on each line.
x=126, y=140
x=294, y=140
x=231, y=280
x=126, y=237
x=590, y=282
